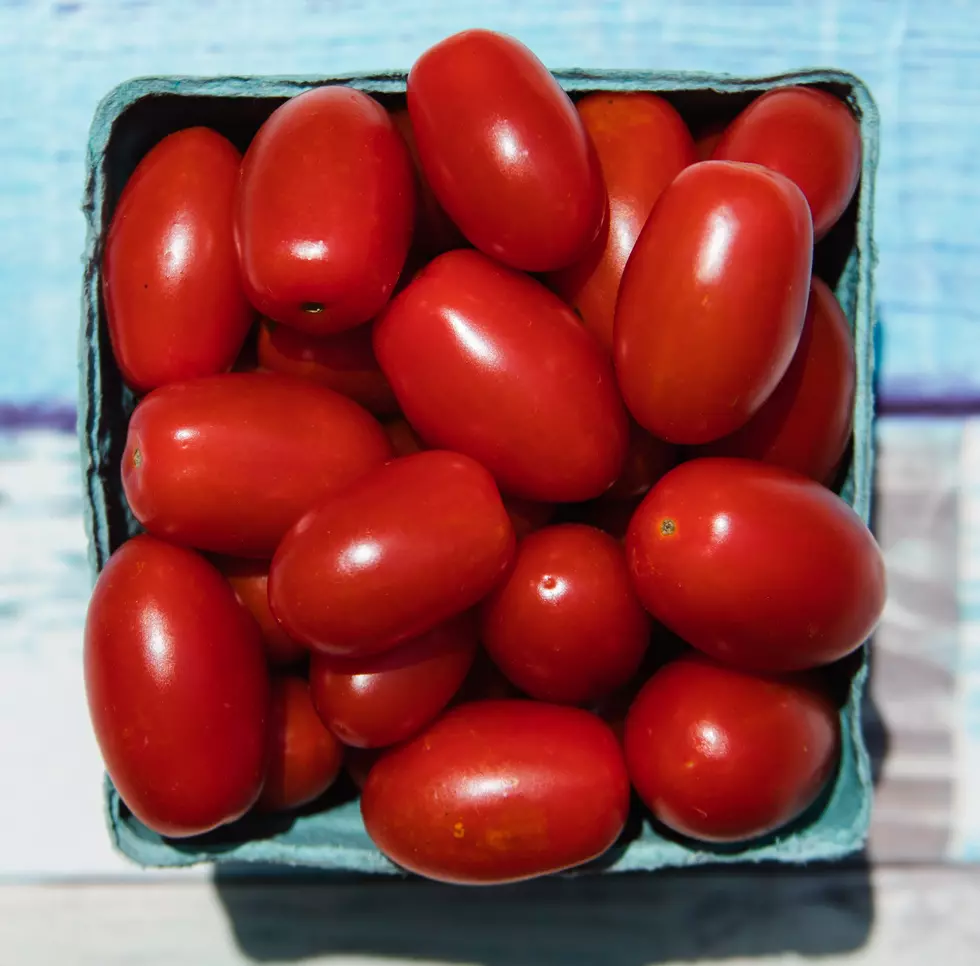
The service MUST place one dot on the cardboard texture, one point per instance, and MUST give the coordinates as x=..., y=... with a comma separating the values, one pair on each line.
x=137, y=114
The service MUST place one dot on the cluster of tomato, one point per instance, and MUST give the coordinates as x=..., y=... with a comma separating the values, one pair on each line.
x=449, y=483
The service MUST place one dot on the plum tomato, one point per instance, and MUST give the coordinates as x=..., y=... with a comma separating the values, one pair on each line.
x=174, y=300
x=304, y=758
x=177, y=688
x=721, y=755
x=565, y=625
x=486, y=361
x=499, y=791
x=379, y=700
x=757, y=566
x=417, y=541
x=325, y=210
x=505, y=151
x=807, y=135
x=713, y=299
x=643, y=144
x=229, y=463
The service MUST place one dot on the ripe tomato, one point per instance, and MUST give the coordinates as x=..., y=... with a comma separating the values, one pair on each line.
x=806, y=423
x=505, y=152
x=647, y=459
x=249, y=580
x=343, y=362
x=370, y=702
x=417, y=541
x=713, y=299
x=229, y=463
x=326, y=205
x=807, y=135
x=177, y=688
x=304, y=758
x=499, y=791
x=488, y=362
x=643, y=144
x=173, y=296
x=723, y=756
x=565, y=625
x=434, y=231
x=756, y=565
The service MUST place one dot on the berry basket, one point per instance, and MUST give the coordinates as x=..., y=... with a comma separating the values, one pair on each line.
x=330, y=835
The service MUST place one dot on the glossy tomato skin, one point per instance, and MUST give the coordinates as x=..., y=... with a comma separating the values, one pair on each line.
x=724, y=756
x=416, y=542
x=326, y=205
x=806, y=423
x=642, y=144
x=713, y=299
x=566, y=625
x=343, y=362
x=249, y=580
x=505, y=151
x=807, y=135
x=499, y=791
x=229, y=463
x=177, y=688
x=375, y=701
x=755, y=565
x=304, y=758
x=173, y=296
x=488, y=362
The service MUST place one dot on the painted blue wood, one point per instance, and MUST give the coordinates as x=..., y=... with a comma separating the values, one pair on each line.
x=919, y=58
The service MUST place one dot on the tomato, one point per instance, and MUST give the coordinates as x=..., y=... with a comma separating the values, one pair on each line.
x=415, y=542
x=505, y=151
x=647, y=459
x=723, y=756
x=807, y=135
x=229, y=463
x=173, y=296
x=565, y=625
x=756, y=565
x=304, y=758
x=499, y=791
x=404, y=440
x=713, y=299
x=382, y=699
x=488, y=362
x=806, y=423
x=343, y=362
x=643, y=144
x=177, y=688
x=434, y=231
x=326, y=205
x=249, y=580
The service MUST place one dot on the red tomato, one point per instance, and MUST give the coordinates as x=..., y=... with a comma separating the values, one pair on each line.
x=755, y=565
x=304, y=758
x=343, y=362
x=643, y=144
x=806, y=423
x=404, y=440
x=526, y=515
x=249, y=580
x=486, y=361
x=565, y=625
x=419, y=540
x=326, y=205
x=807, y=135
x=173, y=296
x=229, y=463
x=434, y=231
x=647, y=459
x=713, y=300
x=177, y=688
x=374, y=701
x=723, y=756
x=505, y=152
x=499, y=791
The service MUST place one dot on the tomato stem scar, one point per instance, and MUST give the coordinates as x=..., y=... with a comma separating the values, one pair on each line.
x=667, y=526
x=312, y=308
x=137, y=458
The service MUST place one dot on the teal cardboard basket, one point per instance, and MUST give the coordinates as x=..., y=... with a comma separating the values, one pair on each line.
x=137, y=114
